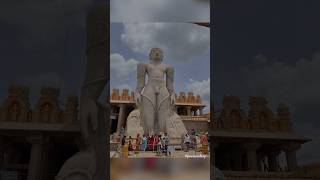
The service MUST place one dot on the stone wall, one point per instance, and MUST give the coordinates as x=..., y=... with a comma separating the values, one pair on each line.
x=259, y=118
x=125, y=95
x=190, y=98
x=16, y=107
x=182, y=97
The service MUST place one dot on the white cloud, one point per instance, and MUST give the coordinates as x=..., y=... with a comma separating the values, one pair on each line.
x=296, y=83
x=201, y=88
x=160, y=10
x=179, y=41
x=121, y=67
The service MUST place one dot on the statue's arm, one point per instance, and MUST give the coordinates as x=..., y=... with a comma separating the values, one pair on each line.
x=97, y=66
x=170, y=79
x=94, y=82
x=141, y=77
x=97, y=53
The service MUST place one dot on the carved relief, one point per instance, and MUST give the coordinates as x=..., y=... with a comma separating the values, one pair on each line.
x=260, y=115
x=198, y=99
x=284, y=117
x=47, y=109
x=16, y=107
x=126, y=95
x=115, y=94
x=191, y=98
x=71, y=111
x=231, y=115
x=182, y=98
x=235, y=119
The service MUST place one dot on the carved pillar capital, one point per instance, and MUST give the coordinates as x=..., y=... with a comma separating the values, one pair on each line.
x=37, y=139
x=121, y=105
x=38, y=157
x=290, y=150
x=252, y=155
x=252, y=146
x=188, y=110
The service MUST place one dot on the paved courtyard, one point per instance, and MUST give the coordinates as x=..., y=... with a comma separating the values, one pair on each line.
x=176, y=154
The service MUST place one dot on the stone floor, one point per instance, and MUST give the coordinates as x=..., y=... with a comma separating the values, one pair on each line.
x=176, y=154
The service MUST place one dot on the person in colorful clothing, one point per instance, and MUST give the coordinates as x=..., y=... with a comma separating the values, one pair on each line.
x=138, y=143
x=144, y=143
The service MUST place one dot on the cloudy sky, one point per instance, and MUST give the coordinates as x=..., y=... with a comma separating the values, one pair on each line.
x=141, y=25
x=186, y=46
x=160, y=10
x=271, y=48
x=42, y=44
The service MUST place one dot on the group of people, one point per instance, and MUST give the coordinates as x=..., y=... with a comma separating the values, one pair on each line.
x=158, y=143
x=191, y=140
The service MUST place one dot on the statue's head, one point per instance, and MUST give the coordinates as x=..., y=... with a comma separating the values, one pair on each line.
x=156, y=54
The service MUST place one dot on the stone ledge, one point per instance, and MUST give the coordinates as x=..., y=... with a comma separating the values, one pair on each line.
x=29, y=126
x=260, y=135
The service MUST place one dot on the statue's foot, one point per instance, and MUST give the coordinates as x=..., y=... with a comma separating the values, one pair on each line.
x=81, y=166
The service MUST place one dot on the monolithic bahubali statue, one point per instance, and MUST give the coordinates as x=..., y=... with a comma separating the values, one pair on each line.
x=155, y=99
x=90, y=163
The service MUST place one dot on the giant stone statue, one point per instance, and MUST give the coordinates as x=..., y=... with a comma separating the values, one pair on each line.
x=155, y=99
x=90, y=163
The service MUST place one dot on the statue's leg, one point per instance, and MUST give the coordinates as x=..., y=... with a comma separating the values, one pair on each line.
x=147, y=114
x=164, y=114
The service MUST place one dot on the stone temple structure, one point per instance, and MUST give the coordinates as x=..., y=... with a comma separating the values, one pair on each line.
x=240, y=141
x=187, y=105
x=249, y=145
x=36, y=140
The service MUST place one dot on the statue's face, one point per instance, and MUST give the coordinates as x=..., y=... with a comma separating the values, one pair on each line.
x=156, y=54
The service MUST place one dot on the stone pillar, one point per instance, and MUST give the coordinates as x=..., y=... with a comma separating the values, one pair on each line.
x=121, y=117
x=176, y=109
x=272, y=160
x=227, y=161
x=252, y=156
x=290, y=151
x=237, y=160
x=37, y=163
x=213, y=146
x=260, y=158
x=201, y=111
x=291, y=160
x=1, y=151
x=188, y=110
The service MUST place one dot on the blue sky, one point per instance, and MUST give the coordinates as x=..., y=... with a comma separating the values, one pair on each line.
x=185, y=45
